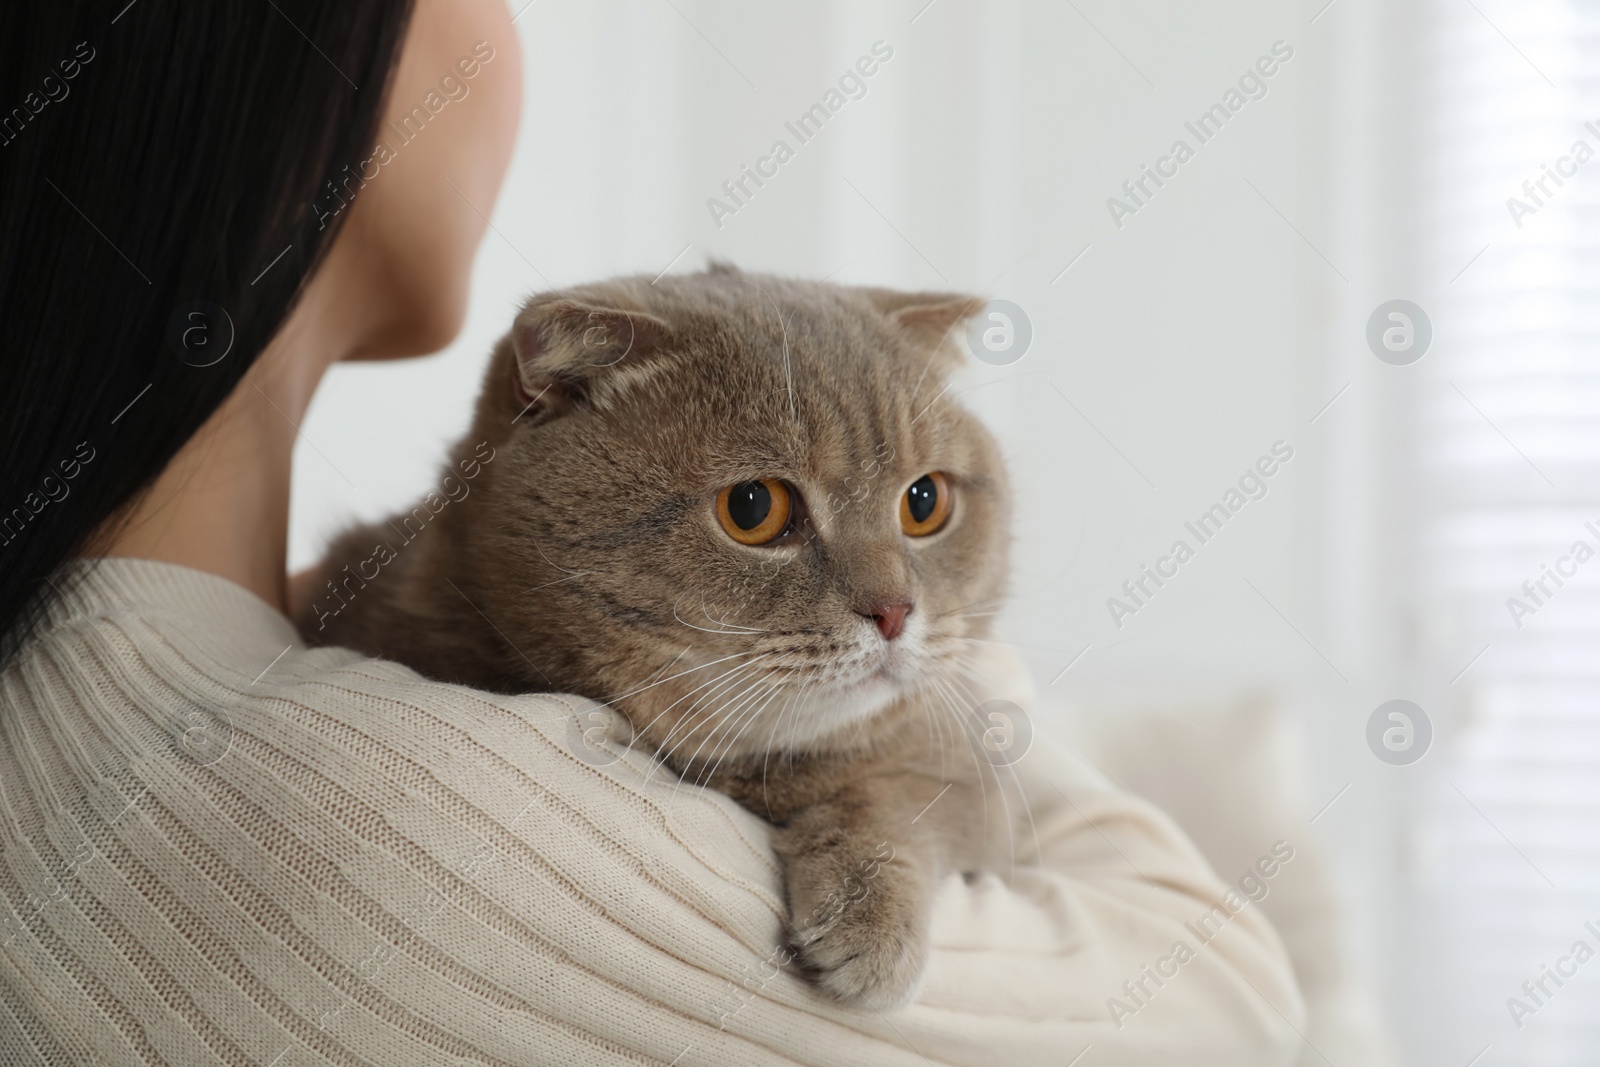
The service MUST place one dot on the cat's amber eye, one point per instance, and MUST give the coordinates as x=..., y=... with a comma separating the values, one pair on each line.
x=754, y=513
x=925, y=506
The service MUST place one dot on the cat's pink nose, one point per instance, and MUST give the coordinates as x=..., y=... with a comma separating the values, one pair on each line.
x=891, y=618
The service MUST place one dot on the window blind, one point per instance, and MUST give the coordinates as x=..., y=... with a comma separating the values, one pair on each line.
x=1505, y=432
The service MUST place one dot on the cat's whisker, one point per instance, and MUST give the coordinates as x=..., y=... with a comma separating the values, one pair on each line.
x=788, y=369
x=730, y=708
x=949, y=711
x=725, y=680
x=768, y=689
x=915, y=389
x=943, y=703
x=668, y=665
x=794, y=697
x=1009, y=644
x=680, y=674
x=735, y=630
x=783, y=696
x=1022, y=793
x=933, y=725
x=949, y=701
x=730, y=715
x=953, y=612
x=558, y=581
x=539, y=549
x=704, y=610
x=643, y=731
x=944, y=699
x=701, y=706
x=766, y=698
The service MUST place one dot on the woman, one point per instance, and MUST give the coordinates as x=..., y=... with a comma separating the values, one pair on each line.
x=219, y=846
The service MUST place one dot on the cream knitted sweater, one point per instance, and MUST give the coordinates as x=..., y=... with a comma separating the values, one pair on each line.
x=220, y=847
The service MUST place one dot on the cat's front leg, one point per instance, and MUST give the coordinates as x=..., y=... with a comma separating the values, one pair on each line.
x=860, y=887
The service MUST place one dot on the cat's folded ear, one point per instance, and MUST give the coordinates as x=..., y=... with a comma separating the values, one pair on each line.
x=929, y=318
x=569, y=352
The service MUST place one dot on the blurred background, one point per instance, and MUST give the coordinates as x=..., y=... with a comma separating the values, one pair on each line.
x=1175, y=340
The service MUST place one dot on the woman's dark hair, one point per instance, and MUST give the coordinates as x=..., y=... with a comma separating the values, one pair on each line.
x=159, y=162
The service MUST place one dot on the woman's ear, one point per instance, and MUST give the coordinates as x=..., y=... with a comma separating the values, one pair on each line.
x=570, y=352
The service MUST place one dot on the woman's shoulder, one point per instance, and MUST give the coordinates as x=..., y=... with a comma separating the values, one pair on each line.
x=126, y=629
x=197, y=666
x=181, y=774
x=157, y=681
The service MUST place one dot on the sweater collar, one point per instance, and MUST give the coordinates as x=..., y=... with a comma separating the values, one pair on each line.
x=112, y=585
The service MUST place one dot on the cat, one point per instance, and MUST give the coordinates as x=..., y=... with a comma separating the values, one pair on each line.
x=744, y=511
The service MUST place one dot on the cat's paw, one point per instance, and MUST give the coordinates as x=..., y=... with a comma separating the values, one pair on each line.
x=859, y=929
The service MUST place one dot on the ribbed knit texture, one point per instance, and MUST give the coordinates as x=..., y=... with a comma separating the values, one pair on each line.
x=219, y=847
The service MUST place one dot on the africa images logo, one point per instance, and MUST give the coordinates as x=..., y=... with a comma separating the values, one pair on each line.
x=1252, y=486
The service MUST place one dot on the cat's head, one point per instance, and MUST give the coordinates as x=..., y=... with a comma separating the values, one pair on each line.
x=747, y=509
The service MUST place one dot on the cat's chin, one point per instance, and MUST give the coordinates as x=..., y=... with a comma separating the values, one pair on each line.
x=823, y=712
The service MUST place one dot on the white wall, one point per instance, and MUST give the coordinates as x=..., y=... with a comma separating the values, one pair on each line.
x=981, y=158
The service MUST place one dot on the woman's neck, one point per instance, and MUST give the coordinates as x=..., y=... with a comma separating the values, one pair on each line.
x=222, y=504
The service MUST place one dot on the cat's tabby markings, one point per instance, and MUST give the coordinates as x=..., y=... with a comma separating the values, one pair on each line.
x=761, y=483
